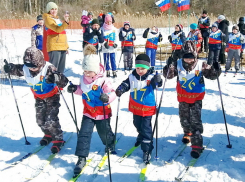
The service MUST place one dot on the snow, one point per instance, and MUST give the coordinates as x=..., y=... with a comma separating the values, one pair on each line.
x=218, y=163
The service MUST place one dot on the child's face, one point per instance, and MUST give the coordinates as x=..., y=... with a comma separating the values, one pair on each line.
x=90, y=74
x=141, y=71
x=177, y=28
x=126, y=27
x=235, y=31
x=214, y=29
x=189, y=60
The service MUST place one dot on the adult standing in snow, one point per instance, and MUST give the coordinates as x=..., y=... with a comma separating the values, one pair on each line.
x=153, y=37
x=37, y=33
x=57, y=45
x=109, y=45
x=190, y=93
x=93, y=35
x=204, y=23
x=223, y=26
x=177, y=39
x=44, y=80
x=127, y=38
x=196, y=36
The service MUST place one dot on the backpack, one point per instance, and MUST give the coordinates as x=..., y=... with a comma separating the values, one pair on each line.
x=189, y=46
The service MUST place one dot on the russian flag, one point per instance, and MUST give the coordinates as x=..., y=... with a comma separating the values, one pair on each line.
x=163, y=4
x=183, y=5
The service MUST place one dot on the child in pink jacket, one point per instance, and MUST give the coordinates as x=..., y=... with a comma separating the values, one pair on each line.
x=96, y=91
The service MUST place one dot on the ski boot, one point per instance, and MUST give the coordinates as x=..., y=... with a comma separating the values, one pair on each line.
x=45, y=140
x=186, y=138
x=146, y=157
x=57, y=145
x=114, y=73
x=79, y=166
x=196, y=151
x=107, y=73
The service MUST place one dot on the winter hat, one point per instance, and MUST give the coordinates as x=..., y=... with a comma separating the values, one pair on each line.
x=33, y=57
x=221, y=17
x=189, y=47
x=95, y=21
x=205, y=12
x=193, y=26
x=142, y=60
x=51, y=5
x=215, y=25
x=39, y=17
x=108, y=18
x=235, y=27
x=90, y=13
x=91, y=61
x=180, y=27
x=126, y=23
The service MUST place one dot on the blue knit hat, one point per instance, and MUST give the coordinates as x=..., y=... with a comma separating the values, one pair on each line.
x=193, y=26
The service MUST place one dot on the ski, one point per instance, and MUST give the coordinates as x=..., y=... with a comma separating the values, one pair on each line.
x=143, y=173
x=75, y=177
x=190, y=164
x=176, y=154
x=127, y=154
x=47, y=162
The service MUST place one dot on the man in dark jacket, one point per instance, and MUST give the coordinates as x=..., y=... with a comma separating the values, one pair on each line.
x=204, y=23
x=223, y=26
x=93, y=35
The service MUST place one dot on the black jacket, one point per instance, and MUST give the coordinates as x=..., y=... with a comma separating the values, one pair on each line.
x=90, y=33
x=121, y=38
x=223, y=26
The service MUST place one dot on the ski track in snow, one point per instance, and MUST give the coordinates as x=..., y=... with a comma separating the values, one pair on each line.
x=218, y=164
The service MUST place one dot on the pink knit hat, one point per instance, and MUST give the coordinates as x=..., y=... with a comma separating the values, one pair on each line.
x=108, y=18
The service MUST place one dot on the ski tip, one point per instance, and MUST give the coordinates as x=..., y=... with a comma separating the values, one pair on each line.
x=178, y=179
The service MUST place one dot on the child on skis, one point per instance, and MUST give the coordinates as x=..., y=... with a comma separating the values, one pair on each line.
x=37, y=33
x=215, y=41
x=110, y=45
x=44, y=81
x=153, y=37
x=96, y=91
x=235, y=46
x=195, y=35
x=127, y=38
x=141, y=84
x=177, y=39
x=190, y=93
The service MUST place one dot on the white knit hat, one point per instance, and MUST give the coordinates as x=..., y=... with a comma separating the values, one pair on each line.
x=91, y=61
x=221, y=17
x=51, y=5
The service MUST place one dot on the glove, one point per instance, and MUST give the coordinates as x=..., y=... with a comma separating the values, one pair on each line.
x=115, y=45
x=133, y=37
x=71, y=88
x=8, y=67
x=169, y=37
x=125, y=38
x=227, y=49
x=216, y=66
x=106, y=45
x=53, y=78
x=170, y=61
x=104, y=98
x=95, y=31
x=98, y=33
x=157, y=78
x=119, y=92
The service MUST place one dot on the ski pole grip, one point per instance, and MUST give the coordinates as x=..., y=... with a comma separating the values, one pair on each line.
x=70, y=83
x=157, y=74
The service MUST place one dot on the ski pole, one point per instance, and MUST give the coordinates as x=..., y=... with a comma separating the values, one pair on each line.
x=100, y=55
x=241, y=58
x=72, y=95
x=115, y=137
x=12, y=88
x=156, y=157
x=107, y=149
x=220, y=93
x=68, y=109
x=161, y=55
x=120, y=56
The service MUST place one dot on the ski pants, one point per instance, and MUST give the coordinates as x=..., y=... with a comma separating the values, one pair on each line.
x=107, y=58
x=86, y=131
x=152, y=55
x=204, y=44
x=144, y=128
x=47, y=111
x=128, y=60
x=58, y=59
x=213, y=56
x=233, y=53
x=176, y=55
x=190, y=119
x=222, y=58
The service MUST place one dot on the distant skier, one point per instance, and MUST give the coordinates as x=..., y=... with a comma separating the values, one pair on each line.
x=37, y=33
x=127, y=37
x=96, y=90
x=177, y=38
x=153, y=37
x=190, y=93
x=204, y=23
x=44, y=81
x=141, y=84
x=195, y=35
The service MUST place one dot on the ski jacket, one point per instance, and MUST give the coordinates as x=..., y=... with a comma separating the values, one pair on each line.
x=195, y=36
x=38, y=81
x=152, y=38
x=90, y=89
x=56, y=34
x=177, y=40
x=204, y=23
x=223, y=26
x=37, y=36
x=236, y=41
x=142, y=98
x=89, y=37
x=110, y=36
x=127, y=43
x=215, y=40
x=85, y=20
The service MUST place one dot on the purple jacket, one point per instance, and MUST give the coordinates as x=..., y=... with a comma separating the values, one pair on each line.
x=85, y=20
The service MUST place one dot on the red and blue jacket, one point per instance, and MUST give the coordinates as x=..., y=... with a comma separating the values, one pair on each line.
x=236, y=41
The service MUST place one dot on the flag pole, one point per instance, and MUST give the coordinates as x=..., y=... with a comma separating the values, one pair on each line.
x=169, y=14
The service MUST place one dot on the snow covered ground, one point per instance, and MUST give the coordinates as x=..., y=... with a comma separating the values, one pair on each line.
x=218, y=164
